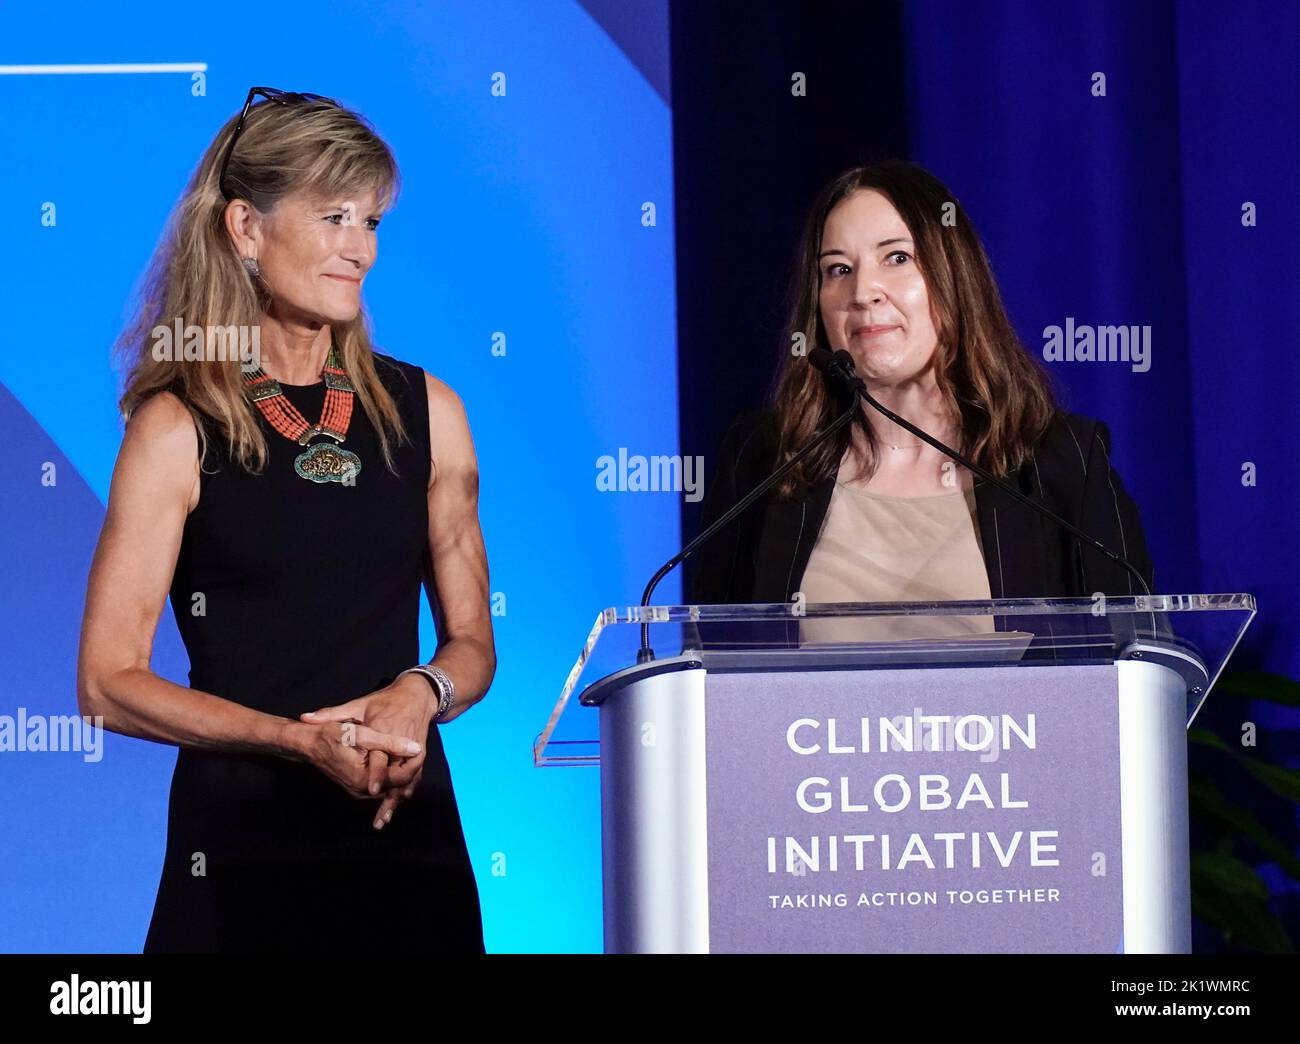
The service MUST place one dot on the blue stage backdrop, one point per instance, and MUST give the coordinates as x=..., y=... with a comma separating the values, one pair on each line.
x=539, y=220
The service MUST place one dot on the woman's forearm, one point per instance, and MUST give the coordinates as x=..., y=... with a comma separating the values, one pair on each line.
x=136, y=702
x=471, y=664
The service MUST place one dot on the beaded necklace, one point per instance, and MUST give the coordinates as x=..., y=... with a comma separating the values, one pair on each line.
x=322, y=462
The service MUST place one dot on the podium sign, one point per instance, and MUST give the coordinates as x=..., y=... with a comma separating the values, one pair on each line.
x=904, y=812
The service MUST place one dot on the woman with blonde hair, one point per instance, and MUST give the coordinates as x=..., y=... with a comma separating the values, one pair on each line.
x=891, y=271
x=291, y=498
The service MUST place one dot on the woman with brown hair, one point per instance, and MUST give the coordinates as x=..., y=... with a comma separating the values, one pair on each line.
x=890, y=270
x=291, y=498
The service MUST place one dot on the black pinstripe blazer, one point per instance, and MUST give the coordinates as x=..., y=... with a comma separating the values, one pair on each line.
x=761, y=556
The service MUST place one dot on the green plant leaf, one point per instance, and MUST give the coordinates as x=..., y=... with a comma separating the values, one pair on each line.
x=1245, y=924
x=1260, y=685
x=1228, y=874
x=1279, y=779
x=1230, y=896
x=1207, y=801
x=1283, y=781
x=1208, y=739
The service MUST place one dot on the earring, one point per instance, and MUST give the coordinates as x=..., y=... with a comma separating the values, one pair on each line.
x=252, y=267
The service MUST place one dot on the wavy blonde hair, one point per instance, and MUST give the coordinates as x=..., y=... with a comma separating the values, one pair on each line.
x=197, y=276
x=1003, y=397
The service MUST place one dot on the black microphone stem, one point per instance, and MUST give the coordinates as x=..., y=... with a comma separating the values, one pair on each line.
x=646, y=654
x=988, y=477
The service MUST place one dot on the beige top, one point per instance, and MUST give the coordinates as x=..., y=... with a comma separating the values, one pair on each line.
x=876, y=548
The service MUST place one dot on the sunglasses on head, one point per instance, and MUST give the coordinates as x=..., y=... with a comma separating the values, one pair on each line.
x=272, y=94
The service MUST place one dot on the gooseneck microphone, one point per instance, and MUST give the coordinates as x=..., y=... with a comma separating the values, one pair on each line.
x=645, y=654
x=840, y=366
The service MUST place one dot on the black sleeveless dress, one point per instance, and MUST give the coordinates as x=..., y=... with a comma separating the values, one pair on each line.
x=292, y=595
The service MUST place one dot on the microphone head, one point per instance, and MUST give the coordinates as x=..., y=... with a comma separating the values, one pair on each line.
x=838, y=366
x=821, y=359
x=845, y=360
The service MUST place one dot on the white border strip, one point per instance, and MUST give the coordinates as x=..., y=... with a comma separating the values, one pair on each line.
x=147, y=67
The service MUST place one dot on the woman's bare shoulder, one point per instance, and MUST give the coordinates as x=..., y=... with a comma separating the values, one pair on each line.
x=446, y=409
x=451, y=445
x=161, y=446
x=441, y=393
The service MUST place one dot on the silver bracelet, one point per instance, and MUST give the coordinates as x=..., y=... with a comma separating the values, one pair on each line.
x=442, y=685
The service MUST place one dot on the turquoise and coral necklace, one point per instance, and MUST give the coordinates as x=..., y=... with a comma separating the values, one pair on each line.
x=322, y=462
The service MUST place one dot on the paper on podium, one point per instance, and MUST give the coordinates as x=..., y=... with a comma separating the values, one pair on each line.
x=968, y=647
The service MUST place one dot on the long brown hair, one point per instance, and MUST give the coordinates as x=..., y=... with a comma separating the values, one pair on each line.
x=1002, y=395
x=196, y=275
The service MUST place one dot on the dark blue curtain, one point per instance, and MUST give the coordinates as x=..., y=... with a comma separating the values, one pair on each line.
x=1127, y=209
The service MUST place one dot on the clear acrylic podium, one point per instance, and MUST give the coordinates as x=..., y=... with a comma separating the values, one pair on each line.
x=978, y=777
